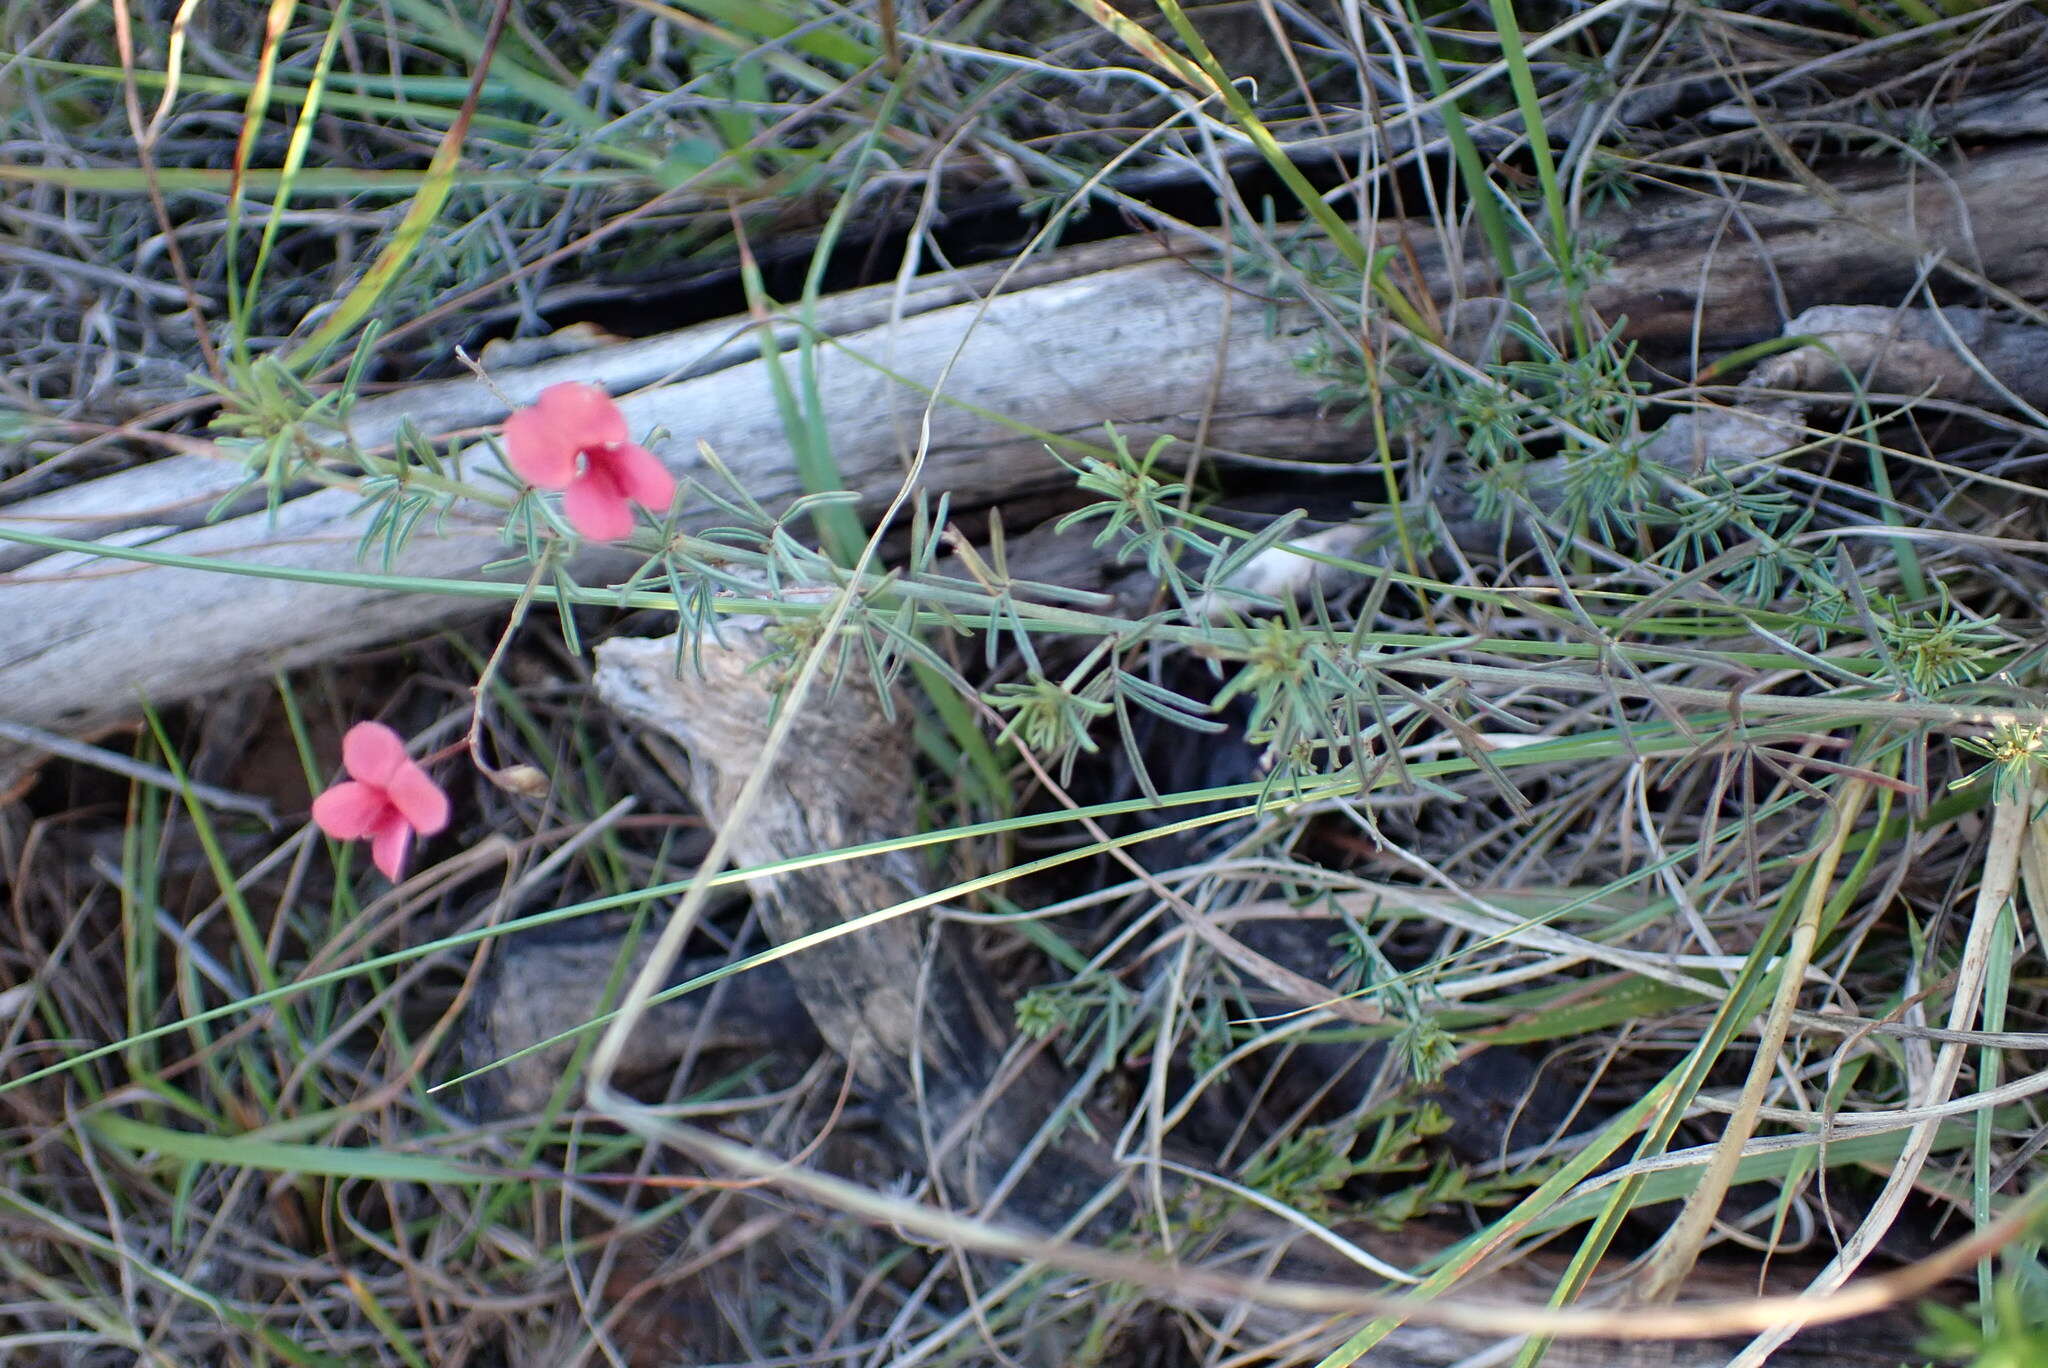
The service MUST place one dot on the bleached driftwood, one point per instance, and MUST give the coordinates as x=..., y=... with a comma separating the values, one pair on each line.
x=921, y=1029
x=177, y=493
x=1135, y=343
x=1123, y=333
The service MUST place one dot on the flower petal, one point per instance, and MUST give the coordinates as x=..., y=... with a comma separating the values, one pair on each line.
x=350, y=810
x=539, y=454
x=642, y=476
x=596, y=508
x=418, y=799
x=372, y=752
x=388, y=845
x=582, y=413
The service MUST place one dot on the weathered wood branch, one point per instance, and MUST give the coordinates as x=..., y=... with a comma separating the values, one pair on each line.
x=1136, y=344
x=1123, y=334
x=898, y=1000
x=541, y=988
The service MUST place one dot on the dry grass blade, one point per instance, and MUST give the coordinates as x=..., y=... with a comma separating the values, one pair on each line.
x=1774, y=1316
x=1676, y=1253
x=2012, y=816
x=1399, y=788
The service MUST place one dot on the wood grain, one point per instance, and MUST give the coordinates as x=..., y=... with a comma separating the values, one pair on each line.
x=1120, y=334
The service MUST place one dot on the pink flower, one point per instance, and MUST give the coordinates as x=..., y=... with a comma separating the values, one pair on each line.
x=387, y=797
x=574, y=439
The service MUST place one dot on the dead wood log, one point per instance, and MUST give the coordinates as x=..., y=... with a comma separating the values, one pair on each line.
x=1137, y=344
x=541, y=988
x=898, y=1001
x=176, y=493
x=1146, y=342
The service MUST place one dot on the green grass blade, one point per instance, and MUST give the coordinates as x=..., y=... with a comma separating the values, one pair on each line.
x=275, y=1156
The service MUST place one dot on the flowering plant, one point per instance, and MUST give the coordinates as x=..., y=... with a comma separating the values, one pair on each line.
x=387, y=797
x=573, y=438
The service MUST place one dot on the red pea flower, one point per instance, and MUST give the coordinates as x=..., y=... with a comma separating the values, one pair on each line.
x=387, y=797
x=574, y=439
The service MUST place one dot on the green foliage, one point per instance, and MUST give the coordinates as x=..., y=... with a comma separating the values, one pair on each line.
x=1936, y=647
x=1610, y=179
x=2018, y=753
x=1092, y=1011
x=1719, y=517
x=1450, y=1184
x=418, y=481
x=1312, y=1169
x=1280, y=669
x=274, y=421
x=1140, y=513
x=1305, y=1170
x=1400, y=1144
x=1424, y=1048
x=1407, y=696
x=1053, y=716
x=2008, y=1331
x=1581, y=265
x=1210, y=1038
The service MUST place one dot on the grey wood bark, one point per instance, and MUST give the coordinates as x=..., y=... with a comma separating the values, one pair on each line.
x=1149, y=343
x=1136, y=344
x=898, y=1001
